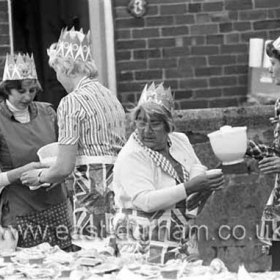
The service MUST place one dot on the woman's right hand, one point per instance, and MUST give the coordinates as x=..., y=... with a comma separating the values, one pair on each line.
x=204, y=182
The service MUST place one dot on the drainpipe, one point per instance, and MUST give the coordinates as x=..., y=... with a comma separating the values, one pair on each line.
x=110, y=46
x=103, y=47
x=10, y=18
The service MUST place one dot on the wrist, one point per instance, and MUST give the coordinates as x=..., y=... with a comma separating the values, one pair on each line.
x=187, y=188
x=40, y=177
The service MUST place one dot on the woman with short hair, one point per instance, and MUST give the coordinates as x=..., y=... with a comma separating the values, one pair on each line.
x=91, y=133
x=25, y=126
x=155, y=195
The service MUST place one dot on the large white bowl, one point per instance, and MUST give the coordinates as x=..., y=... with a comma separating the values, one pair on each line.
x=229, y=144
x=48, y=153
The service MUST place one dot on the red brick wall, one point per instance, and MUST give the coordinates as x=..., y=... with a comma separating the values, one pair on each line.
x=198, y=47
x=4, y=34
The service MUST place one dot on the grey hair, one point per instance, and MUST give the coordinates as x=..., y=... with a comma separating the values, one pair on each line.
x=153, y=109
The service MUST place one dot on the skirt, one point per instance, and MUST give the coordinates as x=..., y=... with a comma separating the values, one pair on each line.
x=52, y=225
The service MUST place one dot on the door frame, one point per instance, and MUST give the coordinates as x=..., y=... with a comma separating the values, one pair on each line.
x=103, y=41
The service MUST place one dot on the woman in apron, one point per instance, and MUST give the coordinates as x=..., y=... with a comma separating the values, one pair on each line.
x=156, y=199
x=91, y=133
x=25, y=126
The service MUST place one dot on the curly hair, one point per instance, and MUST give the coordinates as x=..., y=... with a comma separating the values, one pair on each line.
x=70, y=66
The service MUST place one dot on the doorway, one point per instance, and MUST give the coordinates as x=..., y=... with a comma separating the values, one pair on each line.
x=36, y=25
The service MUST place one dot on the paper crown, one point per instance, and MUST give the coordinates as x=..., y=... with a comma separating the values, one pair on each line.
x=19, y=67
x=276, y=44
x=73, y=44
x=157, y=94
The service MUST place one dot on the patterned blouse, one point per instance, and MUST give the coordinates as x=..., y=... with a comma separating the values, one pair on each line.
x=92, y=117
x=271, y=213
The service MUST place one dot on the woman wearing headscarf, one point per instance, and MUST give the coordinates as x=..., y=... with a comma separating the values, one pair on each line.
x=25, y=126
x=157, y=200
x=91, y=133
x=269, y=163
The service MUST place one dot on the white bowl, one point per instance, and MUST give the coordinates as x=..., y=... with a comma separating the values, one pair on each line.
x=229, y=144
x=48, y=153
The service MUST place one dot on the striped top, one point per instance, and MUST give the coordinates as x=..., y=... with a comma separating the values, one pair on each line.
x=92, y=117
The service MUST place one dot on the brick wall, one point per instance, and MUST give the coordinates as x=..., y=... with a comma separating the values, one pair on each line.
x=229, y=223
x=4, y=33
x=198, y=47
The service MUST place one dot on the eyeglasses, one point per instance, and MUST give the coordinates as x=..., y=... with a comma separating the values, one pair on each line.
x=154, y=125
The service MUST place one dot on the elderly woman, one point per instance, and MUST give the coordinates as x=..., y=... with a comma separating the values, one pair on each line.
x=154, y=192
x=25, y=126
x=91, y=133
x=269, y=163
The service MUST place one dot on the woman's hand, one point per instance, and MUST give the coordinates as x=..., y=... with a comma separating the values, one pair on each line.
x=31, y=177
x=204, y=183
x=270, y=165
x=34, y=165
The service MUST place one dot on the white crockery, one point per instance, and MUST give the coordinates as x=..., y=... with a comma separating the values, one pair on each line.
x=214, y=171
x=48, y=153
x=229, y=144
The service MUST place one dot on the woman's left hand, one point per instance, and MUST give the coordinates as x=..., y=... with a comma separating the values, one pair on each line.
x=31, y=177
x=270, y=165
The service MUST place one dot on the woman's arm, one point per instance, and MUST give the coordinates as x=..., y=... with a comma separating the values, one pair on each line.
x=136, y=176
x=13, y=175
x=63, y=167
x=259, y=151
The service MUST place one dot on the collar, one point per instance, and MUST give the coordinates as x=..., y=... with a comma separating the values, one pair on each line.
x=82, y=83
x=13, y=109
x=4, y=108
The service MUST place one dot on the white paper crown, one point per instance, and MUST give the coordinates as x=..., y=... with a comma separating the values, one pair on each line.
x=276, y=44
x=19, y=67
x=73, y=44
x=157, y=94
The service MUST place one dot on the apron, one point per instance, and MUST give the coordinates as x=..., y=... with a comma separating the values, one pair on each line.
x=93, y=196
x=165, y=234
x=156, y=237
x=19, y=205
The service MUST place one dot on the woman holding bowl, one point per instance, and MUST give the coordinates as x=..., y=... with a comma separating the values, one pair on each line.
x=25, y=126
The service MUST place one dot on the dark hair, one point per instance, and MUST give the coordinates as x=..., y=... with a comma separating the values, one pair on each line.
x=271, y=51
x=6, y=86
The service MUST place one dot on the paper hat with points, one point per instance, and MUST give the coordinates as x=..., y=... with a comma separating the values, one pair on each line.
x=276, y=44
x=19, y=67
x=73, y=44
x=157, y=94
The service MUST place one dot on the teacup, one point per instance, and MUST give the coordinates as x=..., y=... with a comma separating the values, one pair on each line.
x=197, y=169
x=214, y=171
